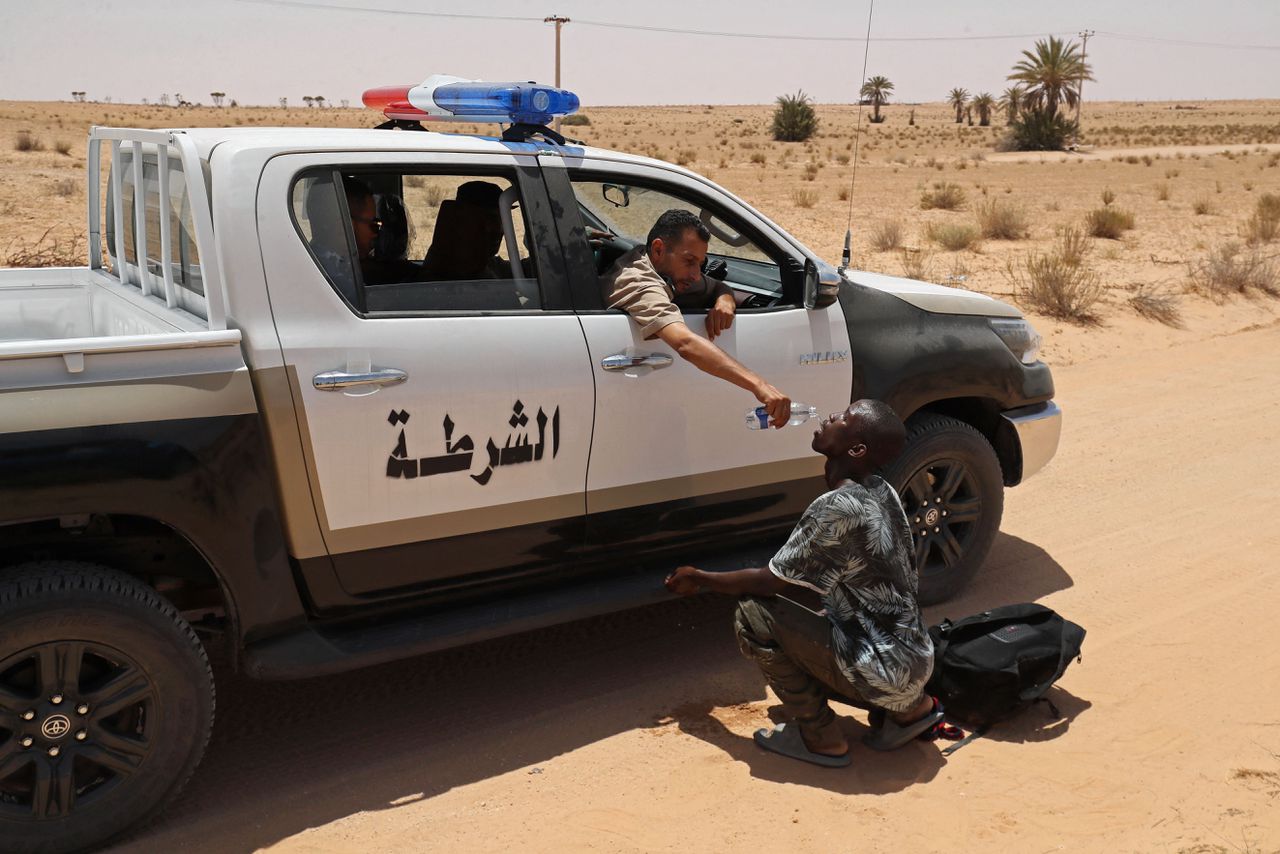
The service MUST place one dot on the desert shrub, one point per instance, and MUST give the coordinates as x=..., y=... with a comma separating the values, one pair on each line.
x=943, y=196
x=1162, y=192
x=1157, y=306
x=794, y=119
x=1108, y=222
x=843, y=194
x=916, y=264
x=953, y=236
x=804, y=198
x=1108, y=196
x=63, y=147
x=1201, y=207
x=1036, y=130
x=759, y=158
x=810, y=171
x=1072, y=246
x=886, y=235
x=1051, y=286
x=686, y=156
x=66, y=187
x=1002, y=221
x=1231, y=270
x=45, y=252
x=576, y=120
x=1264, y=225
x=24, y=141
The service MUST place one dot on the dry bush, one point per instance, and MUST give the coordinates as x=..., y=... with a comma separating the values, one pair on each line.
x=62, y=147
x=944, y=196
x=1231, y=270
x=1050, y=285
x=810, y=171
x=843, y=194
x=24, y=141
x=759, y=158
x=1157, y=306
x=45, y=252
x=1162, y=192
x=1108, y=222
x=804, y=198
x=65, y=188
x=575, y=120
x=1002, y=221
x=916, y=264
x=953, y=236
x=1201, y=207
x=886, y=235
x=1072, y=246
x=1108, y=196
x=1264, y=225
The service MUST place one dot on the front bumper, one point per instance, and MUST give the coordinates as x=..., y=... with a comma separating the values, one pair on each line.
x=1038, y=429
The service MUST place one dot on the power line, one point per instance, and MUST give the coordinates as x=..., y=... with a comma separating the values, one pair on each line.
x=1187, y=43
x=339, y=7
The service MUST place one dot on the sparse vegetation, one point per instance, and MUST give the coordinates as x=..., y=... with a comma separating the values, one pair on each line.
x=802, y=198
x=62, y=147
x=794, y=119
x=953, y=236
x=916, y=264
x=1072, y=246
x=886, y=235
x=26, y=141
x=1156, y=305
x=1264, y=225
x=1108, y=222
x=576, y=120
x=999, y=220
x=943, y=196
x=46, y=251
x=1201, y=207
x=1233, y=270
x=1051, y=285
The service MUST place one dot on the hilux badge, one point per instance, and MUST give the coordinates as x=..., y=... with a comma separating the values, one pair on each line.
x=825, y=357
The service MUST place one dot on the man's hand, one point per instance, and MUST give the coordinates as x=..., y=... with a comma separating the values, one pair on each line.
x=684, y=581
x=777, y=404
x=720, y=315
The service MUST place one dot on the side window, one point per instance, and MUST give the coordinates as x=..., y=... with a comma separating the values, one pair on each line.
x=399, y=241
x=621, y=212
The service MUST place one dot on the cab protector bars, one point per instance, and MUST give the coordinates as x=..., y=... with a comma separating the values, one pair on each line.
x=197, y=194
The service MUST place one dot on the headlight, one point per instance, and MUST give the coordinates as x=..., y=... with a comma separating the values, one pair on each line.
x=1019, y=336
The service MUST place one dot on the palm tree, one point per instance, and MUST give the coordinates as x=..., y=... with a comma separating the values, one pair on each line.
x=1052, y=74
x=984, y=104
x=958, y=98
x=876, y=90
x=1011, y=102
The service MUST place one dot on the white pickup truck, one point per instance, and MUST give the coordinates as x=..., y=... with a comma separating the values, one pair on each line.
x=231, y=428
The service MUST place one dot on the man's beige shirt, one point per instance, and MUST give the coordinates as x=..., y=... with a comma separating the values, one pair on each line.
x=633, y=285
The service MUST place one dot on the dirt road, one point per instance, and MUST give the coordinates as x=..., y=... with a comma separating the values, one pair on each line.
x=1156, y=528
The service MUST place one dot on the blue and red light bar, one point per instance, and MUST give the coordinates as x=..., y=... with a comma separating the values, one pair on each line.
x=452, y=99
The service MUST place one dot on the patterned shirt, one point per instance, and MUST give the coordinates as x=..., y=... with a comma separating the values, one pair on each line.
x=853, y=546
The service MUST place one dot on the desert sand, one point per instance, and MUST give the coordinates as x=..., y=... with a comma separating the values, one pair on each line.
x=1154, y=527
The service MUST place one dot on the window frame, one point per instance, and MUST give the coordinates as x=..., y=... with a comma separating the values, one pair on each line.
x=535, y=206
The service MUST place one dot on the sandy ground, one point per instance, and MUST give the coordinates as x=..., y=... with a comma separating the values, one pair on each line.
x=1154, y=528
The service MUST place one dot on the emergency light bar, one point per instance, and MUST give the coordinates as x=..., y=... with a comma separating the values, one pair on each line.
x=453, y=99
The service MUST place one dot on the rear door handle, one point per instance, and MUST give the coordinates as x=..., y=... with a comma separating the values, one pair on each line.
x=339, y=380
x=623, y=362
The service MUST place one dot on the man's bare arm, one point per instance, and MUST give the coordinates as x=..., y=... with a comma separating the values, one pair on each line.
x=756, y=581
x=705, y=356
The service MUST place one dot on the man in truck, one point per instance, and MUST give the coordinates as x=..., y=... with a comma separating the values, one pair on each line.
x=869, y=646
x=653, y=282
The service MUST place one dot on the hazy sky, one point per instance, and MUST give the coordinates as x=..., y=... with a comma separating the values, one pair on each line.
x=258, y=51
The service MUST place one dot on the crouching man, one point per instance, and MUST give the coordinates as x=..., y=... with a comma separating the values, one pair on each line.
x=869, y=647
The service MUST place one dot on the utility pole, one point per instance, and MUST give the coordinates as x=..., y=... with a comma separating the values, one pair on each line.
x=559, y=21
x=1084, y=53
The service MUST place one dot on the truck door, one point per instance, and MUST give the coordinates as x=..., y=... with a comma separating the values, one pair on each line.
x=672, y=462
x=440, y=379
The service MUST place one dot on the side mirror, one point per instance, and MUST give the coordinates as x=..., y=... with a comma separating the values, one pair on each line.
x=616, y=195
x=820, y=290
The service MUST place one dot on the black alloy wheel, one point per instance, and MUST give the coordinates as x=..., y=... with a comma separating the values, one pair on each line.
x=106, y=704
x=952, y=489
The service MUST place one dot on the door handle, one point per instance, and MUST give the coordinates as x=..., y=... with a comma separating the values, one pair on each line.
x=339, y=380
x=623, y=362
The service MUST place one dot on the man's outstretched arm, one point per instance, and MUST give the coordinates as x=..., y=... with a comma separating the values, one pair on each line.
x=756, y=581
x=705, y=356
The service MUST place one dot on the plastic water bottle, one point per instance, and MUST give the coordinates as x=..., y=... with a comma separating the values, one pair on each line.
x=758, y=418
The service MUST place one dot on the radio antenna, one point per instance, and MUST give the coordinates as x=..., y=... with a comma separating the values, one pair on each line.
x=857, y=137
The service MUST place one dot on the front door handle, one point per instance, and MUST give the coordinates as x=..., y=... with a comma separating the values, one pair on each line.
x=624, y=362
x=339, y=380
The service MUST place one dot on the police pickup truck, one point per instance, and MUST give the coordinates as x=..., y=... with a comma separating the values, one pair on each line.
x=229, y=427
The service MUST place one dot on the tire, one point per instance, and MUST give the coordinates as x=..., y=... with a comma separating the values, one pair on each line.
x=120, y=699
x=952, y=489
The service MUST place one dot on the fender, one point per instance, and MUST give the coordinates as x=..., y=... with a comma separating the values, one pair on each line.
x=209, y=479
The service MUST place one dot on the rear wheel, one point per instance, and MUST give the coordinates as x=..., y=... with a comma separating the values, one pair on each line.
x=952, y=489
x=106, y=703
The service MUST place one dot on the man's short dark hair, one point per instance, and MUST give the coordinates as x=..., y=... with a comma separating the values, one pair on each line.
x=355, y=189
x=672, y=225
x=882, y=430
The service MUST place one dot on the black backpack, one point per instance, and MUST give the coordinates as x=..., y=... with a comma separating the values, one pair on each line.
x=992, y=665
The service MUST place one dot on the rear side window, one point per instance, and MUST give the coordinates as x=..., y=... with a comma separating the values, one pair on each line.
x=394, y=242
x=184, y=259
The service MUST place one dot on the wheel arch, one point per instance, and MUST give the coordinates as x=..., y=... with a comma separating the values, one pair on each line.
x=983, y=415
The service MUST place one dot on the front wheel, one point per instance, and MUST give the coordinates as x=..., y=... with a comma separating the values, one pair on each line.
x=106, y=703
x=952, y=490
